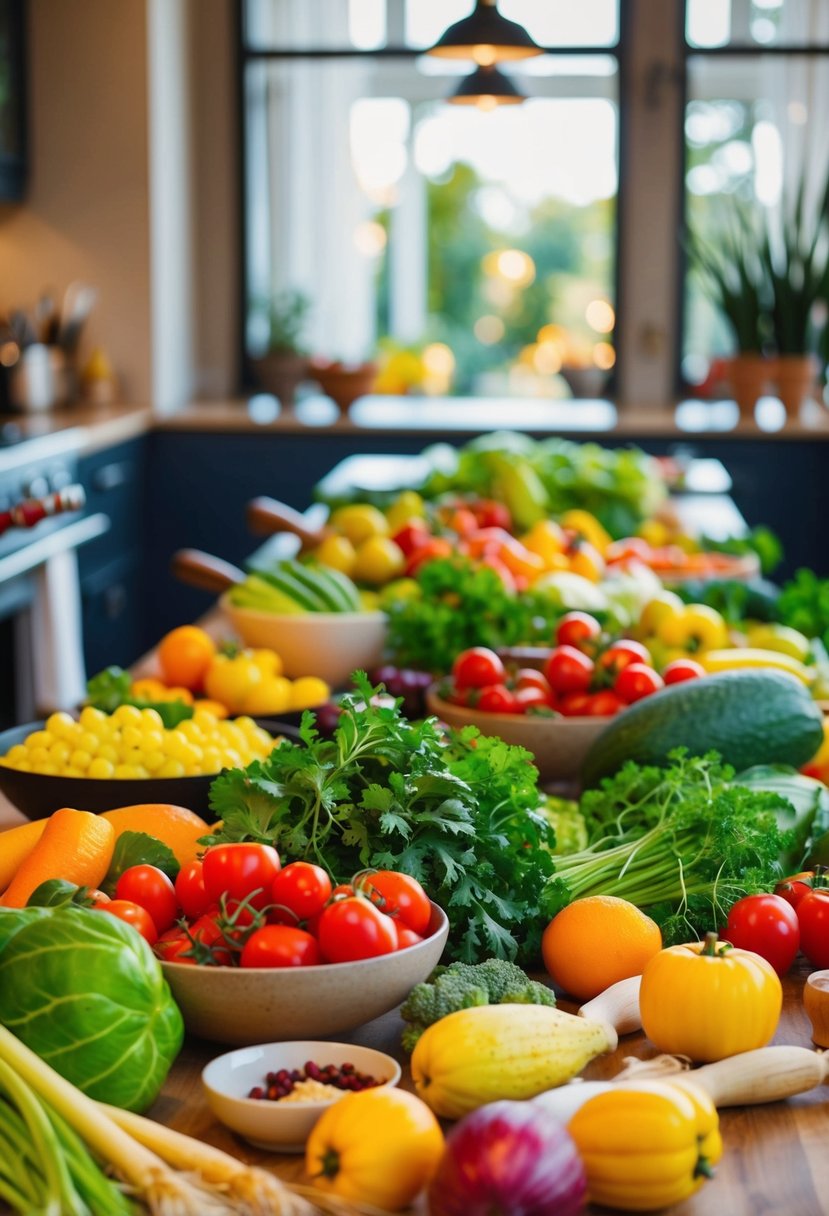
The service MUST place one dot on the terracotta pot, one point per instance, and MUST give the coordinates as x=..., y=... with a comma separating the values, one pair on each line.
x=344, y=383
x=281, y=373
x=749, y=374
x=796, y=380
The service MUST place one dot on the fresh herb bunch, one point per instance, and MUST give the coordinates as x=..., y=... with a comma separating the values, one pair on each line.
x=804, y=605
x=387, y=793
x=681, y=841
x=111, y=688
x=463, y=604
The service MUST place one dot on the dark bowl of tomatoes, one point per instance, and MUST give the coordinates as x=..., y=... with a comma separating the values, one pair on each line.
x=558, y=744
x=243, y=1006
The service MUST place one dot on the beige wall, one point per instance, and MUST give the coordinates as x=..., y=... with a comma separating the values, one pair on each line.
x=86, y=214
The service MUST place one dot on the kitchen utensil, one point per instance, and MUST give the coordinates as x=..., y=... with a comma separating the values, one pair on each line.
x=39, y=378
x=23, y=328
x=816, y=1002
x=559, y=745
x=266, y=516
x=78, y=302
x=46, y=319
x=241, y=1005
x=204, y=571
x=281, y=1127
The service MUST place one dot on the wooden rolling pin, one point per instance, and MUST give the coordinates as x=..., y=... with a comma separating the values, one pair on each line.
x=202, y=570
x=267, y=516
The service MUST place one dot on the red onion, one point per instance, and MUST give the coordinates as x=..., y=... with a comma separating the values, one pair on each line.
x=508, y=1159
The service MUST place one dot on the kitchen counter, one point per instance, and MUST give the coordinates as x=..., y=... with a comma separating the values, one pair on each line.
x=86, y=428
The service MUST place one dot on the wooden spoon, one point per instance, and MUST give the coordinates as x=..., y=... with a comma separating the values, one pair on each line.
x=267, y=516
x=204, y=571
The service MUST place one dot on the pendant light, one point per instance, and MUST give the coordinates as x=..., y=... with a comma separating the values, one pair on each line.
x=486, y=38
x=486, y=88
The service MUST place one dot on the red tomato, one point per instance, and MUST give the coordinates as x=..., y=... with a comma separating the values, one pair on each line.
x=796, y=887
x=407, y=937
x=152, y=890
x=476, y=668
x=134, y=915
x=413, y=535
x=533, y=698
x=682, y=669
x=209, y=936
x=401, y=897
x=636, y=681
x=498, y=699
x=436, y=546
x=575, y=704
x=577, y=628
x=528, y=677
x=96, y=898
x=237, y=870
x=491, y=514
x=463, y=522
x=813, y=915
x=569, y=670
x=767, y=925
x=280, y=946
x=343, y=891
x=604, y=704
x=175, y=946
x=302, y=887
x=190, y=893
x=352, y=929
x=621, y=654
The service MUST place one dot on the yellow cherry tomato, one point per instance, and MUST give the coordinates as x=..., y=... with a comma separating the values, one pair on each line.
x=378, y=561
x=229, y=680
x=272, y=695
x=269, y=661
x=308, y=691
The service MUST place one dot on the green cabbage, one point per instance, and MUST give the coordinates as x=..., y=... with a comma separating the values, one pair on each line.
x=84, y=991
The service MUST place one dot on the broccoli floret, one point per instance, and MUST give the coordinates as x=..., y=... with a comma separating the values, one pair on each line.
x=464, y=985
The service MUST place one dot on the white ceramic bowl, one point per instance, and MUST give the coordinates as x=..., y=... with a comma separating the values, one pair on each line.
x=559, y=745
x=326, y=644
x=281, y=1127
x=257, y=1005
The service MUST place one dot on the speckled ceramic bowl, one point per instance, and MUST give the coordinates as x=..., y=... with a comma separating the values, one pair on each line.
x=232, y=1005
x=281, y=1127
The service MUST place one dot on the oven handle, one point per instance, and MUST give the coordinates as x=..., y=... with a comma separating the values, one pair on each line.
x=71, y=536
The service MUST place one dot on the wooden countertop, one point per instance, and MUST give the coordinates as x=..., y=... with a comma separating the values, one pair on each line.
x=774, y=1162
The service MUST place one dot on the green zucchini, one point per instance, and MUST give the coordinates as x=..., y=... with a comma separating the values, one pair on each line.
x=749, y=717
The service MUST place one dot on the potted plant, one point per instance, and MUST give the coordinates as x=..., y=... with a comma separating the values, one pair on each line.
x=795, y=256
x=735, y=278
x=283, y=364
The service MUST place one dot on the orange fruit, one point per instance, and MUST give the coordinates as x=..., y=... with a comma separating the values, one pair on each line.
x=597, y=941
x=185, y=655
x=177, y=827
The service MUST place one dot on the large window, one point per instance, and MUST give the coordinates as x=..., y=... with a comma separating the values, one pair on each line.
x=474, y=251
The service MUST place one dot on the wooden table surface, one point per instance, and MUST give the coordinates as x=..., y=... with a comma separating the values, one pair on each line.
x=775, y=1161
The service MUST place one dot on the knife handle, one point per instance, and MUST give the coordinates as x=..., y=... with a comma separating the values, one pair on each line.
x=266, y=516
x=202, y=570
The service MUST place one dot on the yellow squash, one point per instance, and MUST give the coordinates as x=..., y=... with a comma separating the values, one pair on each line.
x=708, y=1000
x=740, y=658
x=646, y=1145
x=490, y=1052
x=377, y=1147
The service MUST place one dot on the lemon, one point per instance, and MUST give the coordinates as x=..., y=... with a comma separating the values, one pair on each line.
x=337, y=552
x=359, y=521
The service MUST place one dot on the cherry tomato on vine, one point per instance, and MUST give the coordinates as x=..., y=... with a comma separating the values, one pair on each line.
x=621, y=654
x=577, y=629
x=497, y=699
x=208, y=933
x=682, y=669
x=133, y=914
x=569, y=670
x=302, y=887
x=352, y=929
x=152, y=890
x=190, y=893
x=768, y=925
x=236, y=870
x=636, y=681
x=280, y=946
x=477, y=667
x=574, y=704
x=96, y=898
x=399, y=896
x=813, y=915
x=604, y=704
x=528, y=677
x=533, y=698
x=174, y=946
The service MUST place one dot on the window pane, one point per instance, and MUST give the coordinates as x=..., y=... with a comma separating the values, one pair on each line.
x=475, y=250
x=712, y=23
x=754, y=128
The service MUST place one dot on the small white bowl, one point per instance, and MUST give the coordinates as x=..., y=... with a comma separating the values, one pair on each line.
x=281, y=1127
x=326, y=644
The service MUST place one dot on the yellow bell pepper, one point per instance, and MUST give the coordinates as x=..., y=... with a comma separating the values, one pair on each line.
x=696, y=628
x=656, y=610
x=250, y=682
x=588, y=527
x=547, y=540
x=646, y=1145
x=740, y=658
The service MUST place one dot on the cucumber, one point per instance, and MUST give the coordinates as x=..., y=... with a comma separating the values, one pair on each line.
x=343, y=588
x=284, y=581
x=749, y=717
x=316, y=586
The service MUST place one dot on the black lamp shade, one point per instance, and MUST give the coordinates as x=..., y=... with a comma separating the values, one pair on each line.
x=486, y=38
x=486, y=88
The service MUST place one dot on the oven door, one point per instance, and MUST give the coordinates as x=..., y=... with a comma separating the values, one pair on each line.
x=41, y=643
